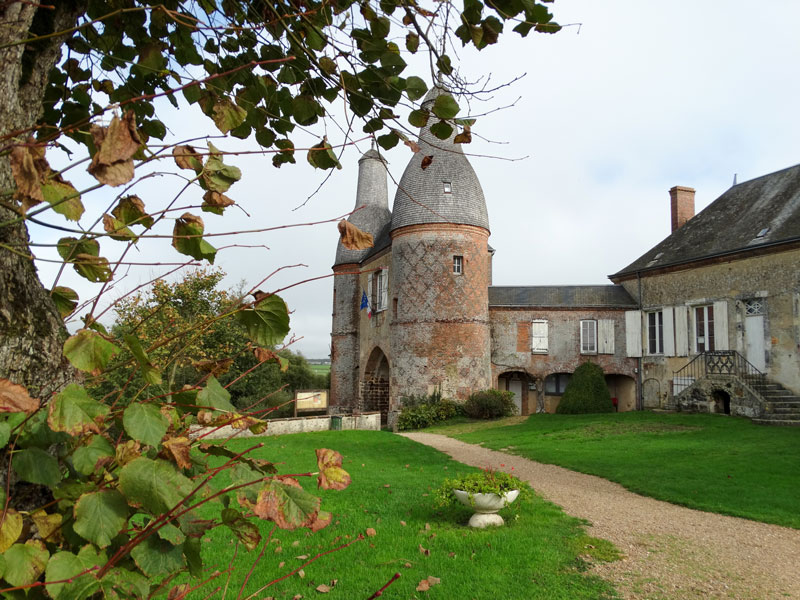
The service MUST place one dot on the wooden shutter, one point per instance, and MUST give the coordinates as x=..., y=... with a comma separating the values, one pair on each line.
x=370, y=299
x=721, y=325
x=669, y=331
x=384, y=289
x=605, y=336
x=633, y=333
x=681, y=331
x=539, y=336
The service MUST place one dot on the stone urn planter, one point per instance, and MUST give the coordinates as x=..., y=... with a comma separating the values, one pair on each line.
x=486, y=506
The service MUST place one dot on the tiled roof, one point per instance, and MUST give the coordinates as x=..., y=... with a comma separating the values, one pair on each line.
x=421, y=196
x=561, y=296
x=758, y=213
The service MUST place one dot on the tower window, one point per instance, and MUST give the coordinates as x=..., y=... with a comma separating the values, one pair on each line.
x=458, y=265
x=448, y=187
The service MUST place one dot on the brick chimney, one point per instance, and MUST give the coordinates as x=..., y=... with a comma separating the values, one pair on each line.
x=681, y=205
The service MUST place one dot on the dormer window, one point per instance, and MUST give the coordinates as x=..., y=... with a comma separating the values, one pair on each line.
x=448, y=187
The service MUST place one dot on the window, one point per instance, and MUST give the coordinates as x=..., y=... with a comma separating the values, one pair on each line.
x=539, y=336
x=655, y=332
x=379, y=292
x=754, y=307
x=704, y=328
x=458, y=265
x=589, y=337
x=448, y=187
x=555, y=384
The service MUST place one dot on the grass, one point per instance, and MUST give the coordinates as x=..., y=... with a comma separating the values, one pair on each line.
x=540, y=553
x=714, y=463
x=320, y=369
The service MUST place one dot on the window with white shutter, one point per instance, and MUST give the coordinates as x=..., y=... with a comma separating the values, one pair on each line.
x=589, y=337
x=633, y=333
x=539, y=336
x=605, y=336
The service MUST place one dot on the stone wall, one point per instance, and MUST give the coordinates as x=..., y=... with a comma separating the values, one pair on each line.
x=703, y=396
x=364, y=421
x=344, y=337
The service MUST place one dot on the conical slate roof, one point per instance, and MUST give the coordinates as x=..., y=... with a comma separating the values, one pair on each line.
x=371, y=212
x=424, y=196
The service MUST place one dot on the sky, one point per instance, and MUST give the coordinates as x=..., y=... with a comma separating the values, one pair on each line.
x=627, y=101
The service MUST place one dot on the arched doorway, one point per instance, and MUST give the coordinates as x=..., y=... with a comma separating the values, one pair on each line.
x=622, y=389
x=721, y=402
x=518, y=382
x=375, y=384
x=651, y=393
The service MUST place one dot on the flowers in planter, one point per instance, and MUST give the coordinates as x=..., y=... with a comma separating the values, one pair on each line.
x=486, y=481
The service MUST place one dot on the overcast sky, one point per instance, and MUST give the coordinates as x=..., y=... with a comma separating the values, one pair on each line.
x=611, y=113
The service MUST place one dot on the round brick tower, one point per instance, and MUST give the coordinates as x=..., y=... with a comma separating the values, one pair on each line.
x=371, y=214
x=440, y=337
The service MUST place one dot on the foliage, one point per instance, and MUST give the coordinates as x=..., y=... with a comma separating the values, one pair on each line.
x=487, y=481
x=717, y=463
x=586, y=392
x=490, y=404
x=420, y=411
x=108, y=493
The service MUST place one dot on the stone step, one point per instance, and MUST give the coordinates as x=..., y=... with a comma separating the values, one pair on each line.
x=778, y=422
x=779, y=417
x=782, y=403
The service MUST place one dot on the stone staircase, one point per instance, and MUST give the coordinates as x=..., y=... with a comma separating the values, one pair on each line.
x=781, y=406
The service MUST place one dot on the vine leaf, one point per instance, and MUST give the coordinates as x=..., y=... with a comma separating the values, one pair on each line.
x=215, y=202
x=26, y=175
x=145, y=423
x=266, y=355
x=153, y=484
x=37, y=466
x=322, y=156
x=227, y=115
x=187, y=157
x=117, y=230
x=244, y=530
x=100, y=516
x=187, y=238
x=112, y=164
x=25, y=562
x=48, y=526
x=331, y=474
x=149, y=370
x=445, y=106
x=216, y=175
x=179, y=448
x=287, y=504
x=63, y=197
x=74, y=412
x=65, y=299
x=15, y=398
x=157, y=557
x=215, y=396
x=86, y=456
x=10, y=529
x=89, y=351
x=267, y=323
x=353, y=238
x=130, y=210
x=65, y=566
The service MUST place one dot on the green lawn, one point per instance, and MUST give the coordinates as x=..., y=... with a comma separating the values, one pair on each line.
x=320, y=369
x=711, y=462
x=536, y=555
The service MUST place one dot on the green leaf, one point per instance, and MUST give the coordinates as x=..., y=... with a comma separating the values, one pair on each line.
x=56, y=193
x=130, y=210
x=66, y=565
x=65, y=299
x=74, y=412
x=187, y=238
x=145, y=423
x=69, y=247
x=149, y=371
x=227, y=115
x=472, y=11
x=287, y=504
x=419, y=117
x=157, y=557
x=100, y=516
x=11, y=528
x=441, y=130
x=305, y=110
x=415, y=88
x=93, y=268
x=388, y=141
x=445, y=106
x=322, y=156
x=37, y=466
x=153, y=484
x=121, y=583
x=268, y=322
x=85, y=457
x=444, y=65
x=2, y=565
x=412, y=42
x=327, y=65
x=194, y=558
x=244, y=530
x=216, y=175
x=25, y=562
x=215, y=396
x=491, y=27
x=117, y=230
x=5, y=433
x=171, y=534
x=89, y=351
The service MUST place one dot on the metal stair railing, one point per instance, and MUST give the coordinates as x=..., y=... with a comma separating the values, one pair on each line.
x=716, y=362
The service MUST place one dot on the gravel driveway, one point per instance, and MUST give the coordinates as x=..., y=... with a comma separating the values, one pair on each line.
x=670, y=552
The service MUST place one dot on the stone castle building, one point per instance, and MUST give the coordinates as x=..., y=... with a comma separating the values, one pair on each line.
x=417, y=312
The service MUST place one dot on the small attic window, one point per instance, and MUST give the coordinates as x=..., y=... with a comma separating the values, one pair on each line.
x=448, y=187
x=763, y=232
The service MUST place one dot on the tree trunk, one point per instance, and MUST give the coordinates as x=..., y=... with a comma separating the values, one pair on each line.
x=31, y=331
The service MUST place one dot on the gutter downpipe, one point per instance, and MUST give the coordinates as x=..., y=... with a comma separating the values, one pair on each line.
x=639, y=399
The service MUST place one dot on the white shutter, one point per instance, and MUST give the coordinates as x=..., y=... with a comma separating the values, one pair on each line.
x=539, y=337
x=721, y=325
x=633, y=333
x=669, y=331
x=605, y=336
x=384, y=289
x=681, y=331
x=371, y=307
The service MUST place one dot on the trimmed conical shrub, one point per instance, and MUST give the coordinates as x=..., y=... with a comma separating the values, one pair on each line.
x=586, y=392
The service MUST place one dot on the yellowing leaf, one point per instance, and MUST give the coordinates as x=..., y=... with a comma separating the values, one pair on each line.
x=26, y=175
x=65, y=299
x=25, y=562
x=187, y=238
x=112, y=164
x=287, y=504
x=130, y=210
x=15, y=398
x=353, y=238
x=74, y=412
x=47, y=525
x=64, y=198
x=89, y=351
x=215, y=202
x=117, y=229
x=227, y=115
x=179, y=448
x=10, y=529
x=187, y=157
x=331, y=475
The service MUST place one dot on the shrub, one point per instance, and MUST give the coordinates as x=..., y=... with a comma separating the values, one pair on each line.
x=490, y=404
x=423, y=411
x=586, y=392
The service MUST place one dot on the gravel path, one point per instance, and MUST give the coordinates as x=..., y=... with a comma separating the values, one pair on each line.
x=670, y=552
